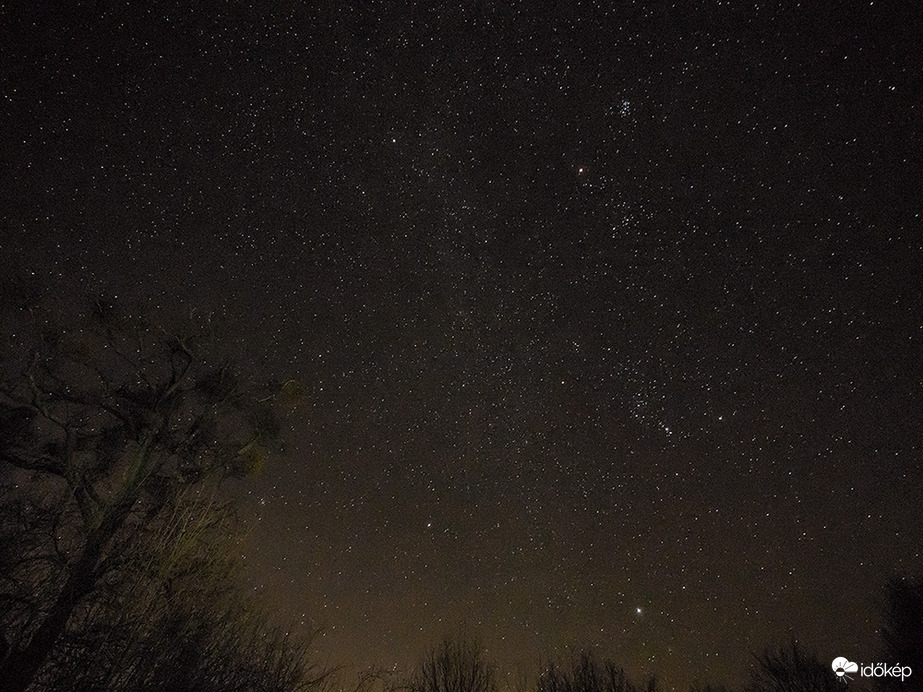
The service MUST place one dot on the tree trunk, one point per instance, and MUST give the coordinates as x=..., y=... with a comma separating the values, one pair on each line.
x=21, y=666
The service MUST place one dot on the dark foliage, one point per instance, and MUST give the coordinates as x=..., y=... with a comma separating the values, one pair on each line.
x=902, y=633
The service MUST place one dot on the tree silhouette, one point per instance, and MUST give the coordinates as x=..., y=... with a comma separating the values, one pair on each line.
x=707, y=687
x=584, y=673
x=790, y=669
x=902, y=631
x=104, y=424
x=455, y=666
x=177, y=618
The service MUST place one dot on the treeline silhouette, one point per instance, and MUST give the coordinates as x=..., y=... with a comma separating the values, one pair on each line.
x=459, y=665
x=120, y=561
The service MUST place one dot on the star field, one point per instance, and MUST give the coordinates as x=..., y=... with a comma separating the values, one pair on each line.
x=608, y=313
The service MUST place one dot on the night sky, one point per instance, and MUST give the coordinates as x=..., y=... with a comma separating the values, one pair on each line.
x=609, y=314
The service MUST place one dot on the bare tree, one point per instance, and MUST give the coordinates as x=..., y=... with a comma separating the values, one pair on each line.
x=584, y=673
x=791, y=669
x=178, y=618
x=104, y=424
x=455, y=666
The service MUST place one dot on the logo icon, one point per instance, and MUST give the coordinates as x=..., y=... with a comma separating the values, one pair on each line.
x=842, y=666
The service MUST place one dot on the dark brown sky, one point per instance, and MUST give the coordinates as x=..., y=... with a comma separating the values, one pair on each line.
x=610, y=312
